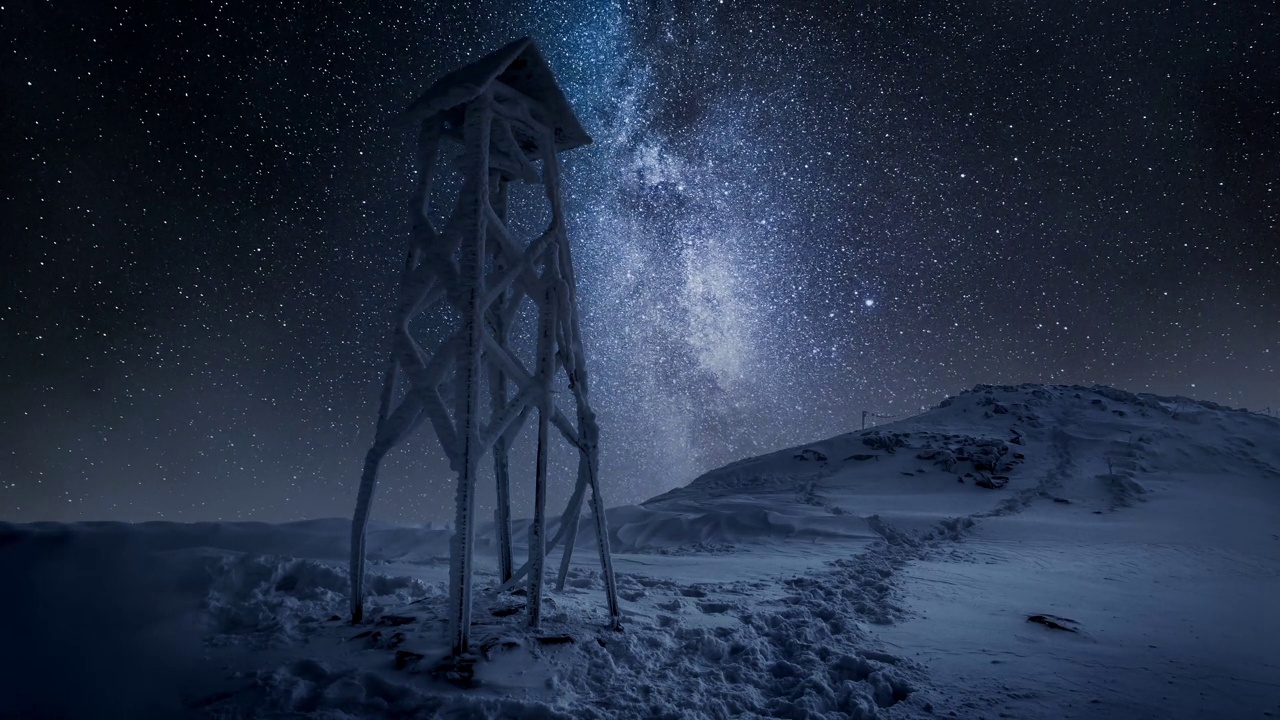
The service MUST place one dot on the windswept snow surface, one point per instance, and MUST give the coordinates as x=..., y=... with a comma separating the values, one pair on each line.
x=888, y=573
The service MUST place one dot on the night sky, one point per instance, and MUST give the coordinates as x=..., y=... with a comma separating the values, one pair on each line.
x=791, y=213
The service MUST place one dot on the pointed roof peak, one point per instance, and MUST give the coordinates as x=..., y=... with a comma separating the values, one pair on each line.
x=519, y=65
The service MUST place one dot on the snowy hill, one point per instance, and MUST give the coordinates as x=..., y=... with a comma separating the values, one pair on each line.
x=1094, y=450
x=1029, y=552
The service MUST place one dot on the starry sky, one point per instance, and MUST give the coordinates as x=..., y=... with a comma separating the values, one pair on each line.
x=791, y=213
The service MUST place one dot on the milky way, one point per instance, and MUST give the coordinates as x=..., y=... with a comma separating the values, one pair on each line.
x=791, y=213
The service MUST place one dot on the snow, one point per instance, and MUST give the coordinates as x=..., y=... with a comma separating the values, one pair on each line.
x=868, y=575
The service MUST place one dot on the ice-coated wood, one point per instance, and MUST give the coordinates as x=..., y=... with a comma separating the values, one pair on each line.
x=512, y=121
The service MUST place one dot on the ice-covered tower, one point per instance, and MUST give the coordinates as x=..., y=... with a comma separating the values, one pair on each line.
x=473, y=388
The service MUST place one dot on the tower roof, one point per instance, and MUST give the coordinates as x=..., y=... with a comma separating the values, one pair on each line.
x=519, y=65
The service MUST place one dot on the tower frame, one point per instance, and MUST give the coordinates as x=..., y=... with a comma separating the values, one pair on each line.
x=510, y=116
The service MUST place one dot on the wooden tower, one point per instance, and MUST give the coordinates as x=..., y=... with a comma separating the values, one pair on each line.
x=512, y=120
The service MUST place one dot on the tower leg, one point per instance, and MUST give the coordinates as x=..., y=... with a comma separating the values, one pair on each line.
x=602, y=535
x=502, y=475
x=498, y=401
x=570, y=538
x=545, y=373
x=470, y=281
x=359, y=525
x=392, y=430
x=423, y=232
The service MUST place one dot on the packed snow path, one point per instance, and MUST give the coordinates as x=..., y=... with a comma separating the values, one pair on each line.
x=1028, y=552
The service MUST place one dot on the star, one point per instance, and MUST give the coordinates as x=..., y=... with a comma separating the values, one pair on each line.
x=202, y=241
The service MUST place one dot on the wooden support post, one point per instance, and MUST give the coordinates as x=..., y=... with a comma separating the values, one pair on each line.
x=428, y=155
x=499, y=399
x=471, y=261
x=545, y=373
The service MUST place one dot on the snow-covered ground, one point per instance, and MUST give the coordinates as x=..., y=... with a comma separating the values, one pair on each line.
x=1023, y=552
